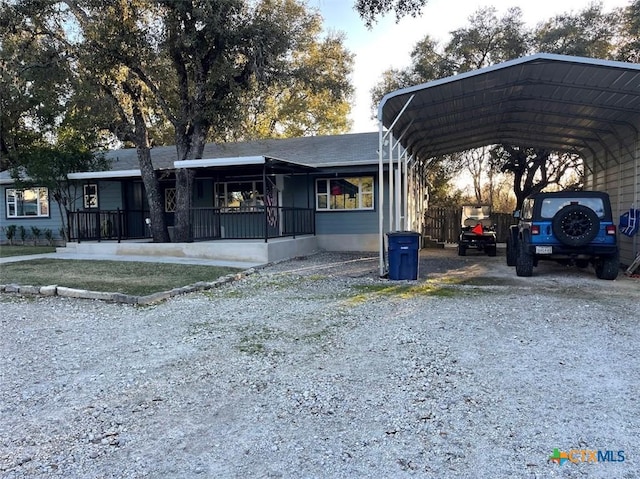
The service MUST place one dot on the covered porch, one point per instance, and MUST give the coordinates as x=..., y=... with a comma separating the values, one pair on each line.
x=234, y=198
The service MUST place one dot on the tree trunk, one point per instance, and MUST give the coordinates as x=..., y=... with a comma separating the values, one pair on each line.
x=189, y=145
x=158, y=224
x=184, y=193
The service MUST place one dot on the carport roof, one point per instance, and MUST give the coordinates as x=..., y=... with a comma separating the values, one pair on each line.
x=549, y=101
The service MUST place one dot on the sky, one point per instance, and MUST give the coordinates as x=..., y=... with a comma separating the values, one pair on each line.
x=388, y=44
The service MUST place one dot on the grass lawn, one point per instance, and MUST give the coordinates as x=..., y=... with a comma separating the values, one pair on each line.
x=15, y=250
x=128, y=277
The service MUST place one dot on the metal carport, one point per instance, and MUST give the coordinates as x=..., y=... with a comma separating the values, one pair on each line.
x=586, y=106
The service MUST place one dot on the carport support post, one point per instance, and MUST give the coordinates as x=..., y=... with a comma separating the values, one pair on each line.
x=381, y=265
x=381, y=172
x=391, y=177
x=636, y=193
x=398, y=199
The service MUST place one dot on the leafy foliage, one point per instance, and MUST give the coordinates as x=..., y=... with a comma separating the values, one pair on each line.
x=370, y=10
x=629, y=39
x=33, y=81
x=49, y=165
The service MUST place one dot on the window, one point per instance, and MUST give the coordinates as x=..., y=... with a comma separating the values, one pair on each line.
x=345, y=193
x=550, y=206
x=27, y=203
x=90, y=196
x=170, y=200
x=242, y=196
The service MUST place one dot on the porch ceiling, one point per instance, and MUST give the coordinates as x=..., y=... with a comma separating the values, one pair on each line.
x=547, y=101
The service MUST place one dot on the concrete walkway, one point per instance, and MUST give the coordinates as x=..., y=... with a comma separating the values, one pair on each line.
x=146, y=259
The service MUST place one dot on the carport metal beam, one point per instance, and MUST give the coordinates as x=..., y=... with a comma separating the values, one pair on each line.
x=381, y=138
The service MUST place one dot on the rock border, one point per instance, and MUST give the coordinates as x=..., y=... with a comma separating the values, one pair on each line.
x=62, y=291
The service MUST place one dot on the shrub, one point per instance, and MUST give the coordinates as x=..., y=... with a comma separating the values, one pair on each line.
x=36, y=233
x=48, y=235
x=23, y=233
x=10, y=232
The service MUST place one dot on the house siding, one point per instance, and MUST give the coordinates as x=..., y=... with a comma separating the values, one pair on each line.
x=337, y=222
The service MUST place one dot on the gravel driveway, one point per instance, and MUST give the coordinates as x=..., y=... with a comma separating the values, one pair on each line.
x=317, y=368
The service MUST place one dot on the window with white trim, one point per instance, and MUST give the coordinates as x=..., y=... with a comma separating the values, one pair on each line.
x=239, y=195
x=90, y=194
x=27, y=203
x=340, y=194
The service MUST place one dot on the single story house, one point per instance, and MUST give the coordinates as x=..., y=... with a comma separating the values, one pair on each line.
x=259, y=201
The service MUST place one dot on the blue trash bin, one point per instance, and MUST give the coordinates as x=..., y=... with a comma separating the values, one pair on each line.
x=404, y=247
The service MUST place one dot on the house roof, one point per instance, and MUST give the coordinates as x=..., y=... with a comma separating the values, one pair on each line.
x=314, y=151
x=559, y=102
x=301, y=153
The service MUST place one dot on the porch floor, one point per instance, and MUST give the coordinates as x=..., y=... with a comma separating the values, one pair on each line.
x=246, y=253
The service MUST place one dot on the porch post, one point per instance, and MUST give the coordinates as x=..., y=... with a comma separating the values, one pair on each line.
x=119, y=215
x=98, y=226
x=293, y=210
x=264, y=202
x=69, y=227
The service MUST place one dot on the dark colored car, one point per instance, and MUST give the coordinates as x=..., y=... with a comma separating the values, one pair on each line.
x=477, y=231
x=571, y=227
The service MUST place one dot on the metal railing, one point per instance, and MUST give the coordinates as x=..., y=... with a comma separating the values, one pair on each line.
x=255, y=223
x=206, y=223
x=102, y=225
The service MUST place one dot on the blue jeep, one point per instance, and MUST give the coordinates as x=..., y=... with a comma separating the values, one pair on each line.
x=571, y=227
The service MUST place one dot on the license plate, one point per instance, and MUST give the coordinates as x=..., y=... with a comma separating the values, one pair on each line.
x=544, y=249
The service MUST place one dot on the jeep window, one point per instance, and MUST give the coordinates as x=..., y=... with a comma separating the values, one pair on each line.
x=527, y=209
x=550, y=206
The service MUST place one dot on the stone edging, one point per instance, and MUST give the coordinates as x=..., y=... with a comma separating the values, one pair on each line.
x=54, y=290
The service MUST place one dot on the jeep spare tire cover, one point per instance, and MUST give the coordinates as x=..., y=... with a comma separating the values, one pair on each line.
x=575, y=225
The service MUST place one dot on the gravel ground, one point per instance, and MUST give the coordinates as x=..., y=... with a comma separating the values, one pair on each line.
x=316, y=368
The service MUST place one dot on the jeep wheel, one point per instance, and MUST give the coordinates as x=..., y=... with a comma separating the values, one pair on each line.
x=462, y=250
x=607, y=267
x=575, y=225
x=491, y=250
x=524, y=261
x=512, y=250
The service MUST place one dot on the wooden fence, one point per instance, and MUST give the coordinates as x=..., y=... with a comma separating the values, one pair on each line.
x=443, y=223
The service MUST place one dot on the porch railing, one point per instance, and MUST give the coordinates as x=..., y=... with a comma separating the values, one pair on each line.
x=101, y=225
x=239, y=223
x=206, y=224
